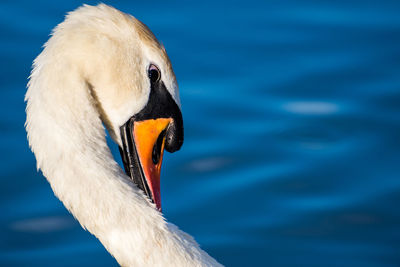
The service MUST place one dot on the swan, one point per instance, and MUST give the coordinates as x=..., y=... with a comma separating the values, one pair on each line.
x=103, y=69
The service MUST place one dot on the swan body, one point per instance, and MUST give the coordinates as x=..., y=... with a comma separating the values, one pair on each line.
x=92, y=72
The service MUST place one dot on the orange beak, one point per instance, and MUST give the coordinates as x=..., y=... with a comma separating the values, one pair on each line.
x=149, y=138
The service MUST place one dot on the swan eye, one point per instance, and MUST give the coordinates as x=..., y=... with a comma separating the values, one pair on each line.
x=154, y=73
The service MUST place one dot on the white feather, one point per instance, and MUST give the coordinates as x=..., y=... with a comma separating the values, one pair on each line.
x=98, y=54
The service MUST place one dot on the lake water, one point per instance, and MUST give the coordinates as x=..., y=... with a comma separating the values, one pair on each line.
x=292, y=127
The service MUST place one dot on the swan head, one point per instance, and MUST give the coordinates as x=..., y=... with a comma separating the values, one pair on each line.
x=144, y=136
x=132, y=83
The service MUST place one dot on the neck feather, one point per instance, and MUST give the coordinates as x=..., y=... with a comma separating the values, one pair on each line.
x=67, y=136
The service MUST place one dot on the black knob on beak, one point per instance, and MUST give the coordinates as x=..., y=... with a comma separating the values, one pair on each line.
x=174, y=135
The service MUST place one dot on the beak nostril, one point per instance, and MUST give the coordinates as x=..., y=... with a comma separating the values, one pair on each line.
x=158, y=147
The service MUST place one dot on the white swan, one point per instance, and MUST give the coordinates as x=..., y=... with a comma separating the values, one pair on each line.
x=102, y=66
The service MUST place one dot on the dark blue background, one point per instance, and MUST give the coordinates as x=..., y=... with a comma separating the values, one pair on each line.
x=292, y=116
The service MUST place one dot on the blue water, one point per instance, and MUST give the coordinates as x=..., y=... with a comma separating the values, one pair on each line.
x=292, y=120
